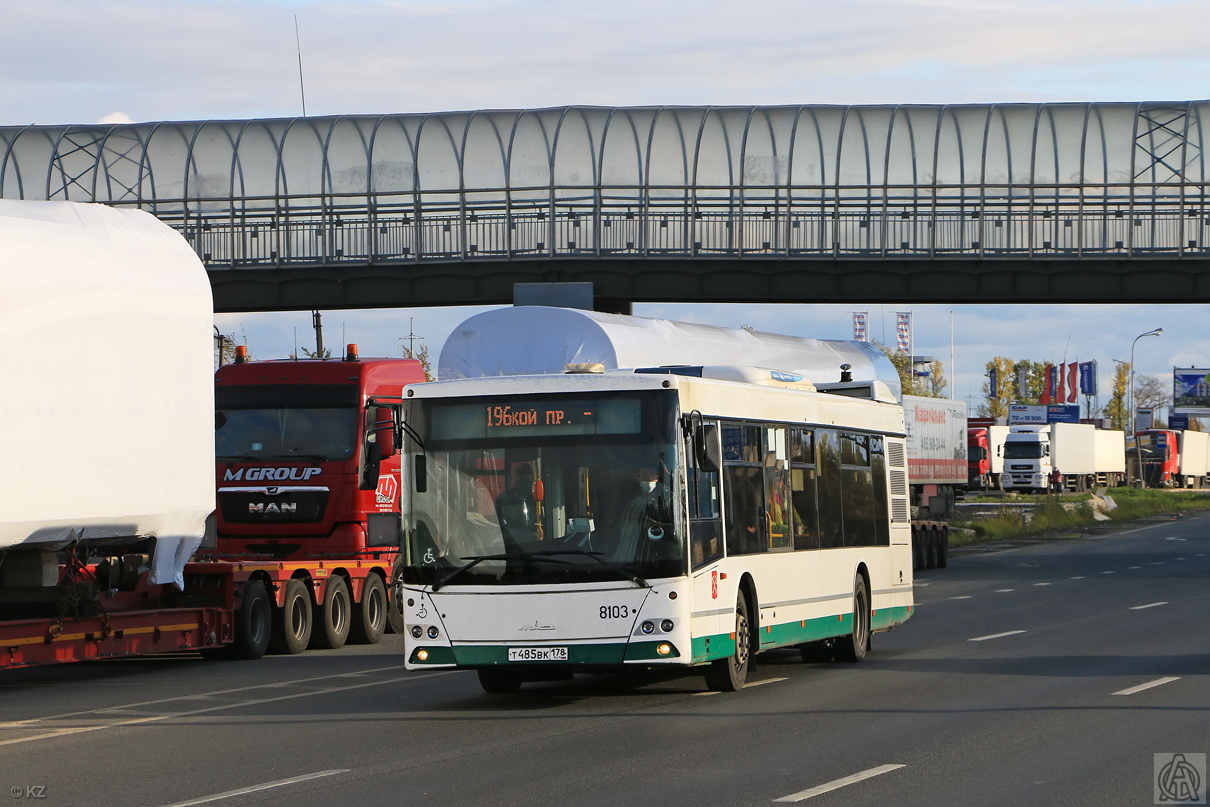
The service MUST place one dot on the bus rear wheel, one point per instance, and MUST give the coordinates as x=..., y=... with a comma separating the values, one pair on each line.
x=498, y=682
x=728, y=674
x=853, y=647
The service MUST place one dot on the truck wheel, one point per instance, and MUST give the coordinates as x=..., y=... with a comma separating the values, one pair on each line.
x=332, y=616
x=943, y=547
x=253, y=623
x=292, y=622
x=930, y=548
x=370, y=615
x=917, y=551
x=728, y=674
x=854, y=646
x=498, y=682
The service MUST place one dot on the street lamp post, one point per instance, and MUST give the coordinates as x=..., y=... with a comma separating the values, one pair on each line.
x=1130, y=420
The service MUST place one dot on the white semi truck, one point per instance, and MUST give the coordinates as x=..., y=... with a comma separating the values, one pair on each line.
x=1084, y=456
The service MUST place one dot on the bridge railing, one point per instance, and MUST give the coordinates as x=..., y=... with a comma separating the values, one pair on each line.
x=701, y=222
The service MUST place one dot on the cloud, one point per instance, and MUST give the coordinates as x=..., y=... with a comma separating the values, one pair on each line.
x=116, y=117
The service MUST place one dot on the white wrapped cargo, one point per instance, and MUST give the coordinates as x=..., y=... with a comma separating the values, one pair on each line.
x=107, y=416
x=526, y=340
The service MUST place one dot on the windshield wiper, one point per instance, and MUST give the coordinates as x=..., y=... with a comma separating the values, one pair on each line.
x=634, y=578
x=238, y=458
x=320, y=457
x=474, y=559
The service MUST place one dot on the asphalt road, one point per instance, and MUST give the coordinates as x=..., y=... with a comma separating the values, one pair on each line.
x=1017, y=682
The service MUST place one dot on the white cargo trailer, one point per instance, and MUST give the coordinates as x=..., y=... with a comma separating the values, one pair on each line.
x=1085, y=457
x=107, y=416
x=936, y=447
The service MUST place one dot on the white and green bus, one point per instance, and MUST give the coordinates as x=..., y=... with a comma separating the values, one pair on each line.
x=689, y=515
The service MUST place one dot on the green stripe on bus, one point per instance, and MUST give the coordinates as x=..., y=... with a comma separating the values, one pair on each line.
x=722, y=645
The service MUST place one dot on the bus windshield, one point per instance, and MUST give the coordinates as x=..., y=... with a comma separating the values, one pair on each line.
x=543, y=491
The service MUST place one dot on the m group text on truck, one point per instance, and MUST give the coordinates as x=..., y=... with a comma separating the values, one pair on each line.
x=96, y=563
x=307, y=495
x=1174, y=458
x=1083, y=455
x=695, y=515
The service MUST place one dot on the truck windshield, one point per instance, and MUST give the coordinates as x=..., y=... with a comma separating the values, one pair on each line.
x=545, y=491
x=1024, y=451
x=284, y=422
x=1152, y=446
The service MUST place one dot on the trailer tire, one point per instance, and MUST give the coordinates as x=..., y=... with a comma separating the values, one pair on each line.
x=370, y=615
x=917, y=549
x=333, y=617
x=728, y=674
x=395, y=619
x=253, y=623
x=930, y=548
x=943, y=547
x=852, y=648
x=292, y=622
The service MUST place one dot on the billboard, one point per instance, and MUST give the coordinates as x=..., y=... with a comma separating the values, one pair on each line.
x=1025, y=414
x=1191, y=388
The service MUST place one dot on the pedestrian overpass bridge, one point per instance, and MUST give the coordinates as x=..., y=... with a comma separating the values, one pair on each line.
x=1101, y=202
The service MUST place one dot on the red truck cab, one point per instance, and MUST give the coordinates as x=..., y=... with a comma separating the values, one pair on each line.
x=1159, y=450
x=302, y=483
x=978, y=459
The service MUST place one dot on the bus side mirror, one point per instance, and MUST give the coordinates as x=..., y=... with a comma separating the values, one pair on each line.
x=421, y=473
x=706, y=449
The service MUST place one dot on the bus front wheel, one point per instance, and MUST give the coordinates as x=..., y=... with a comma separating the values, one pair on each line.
x=728, y=674
x=498, y=682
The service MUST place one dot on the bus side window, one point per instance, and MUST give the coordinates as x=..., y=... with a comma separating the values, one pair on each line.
x=705, y=522
x=831, y=514
x=882, y=524
x=802, y=489
x=744, y=489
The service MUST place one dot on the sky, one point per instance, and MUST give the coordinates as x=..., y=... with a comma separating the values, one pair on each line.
x=87, y=61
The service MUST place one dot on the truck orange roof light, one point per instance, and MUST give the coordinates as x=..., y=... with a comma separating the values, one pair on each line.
x=351, y=352
x=241, y=354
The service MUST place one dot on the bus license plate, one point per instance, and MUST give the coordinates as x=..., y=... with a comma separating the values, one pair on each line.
x=537, y=654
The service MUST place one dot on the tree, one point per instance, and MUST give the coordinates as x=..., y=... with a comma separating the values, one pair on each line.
x=314, y=354
x=937, y=382
x=1151, y=392
x=421, y=355
x=1115, y=410
x=996, y=406
x=903, y=366
x=1035, y=382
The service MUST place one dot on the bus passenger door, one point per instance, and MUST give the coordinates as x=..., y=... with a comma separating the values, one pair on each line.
x=704, y=487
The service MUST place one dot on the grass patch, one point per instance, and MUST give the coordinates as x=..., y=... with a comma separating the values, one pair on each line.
x=1065, y=513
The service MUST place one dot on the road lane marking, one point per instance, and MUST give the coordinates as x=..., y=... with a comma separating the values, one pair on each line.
x=1157, y=563
x=1156, y=683
x=961, y=597
x=1174, y=539
x=1182, y=558
x=1148, y=605
x=1079, y=577
x=839, y=783
x=1106, y=572
x=996, y=636
x=193, y=712
x=1133, y=567
x=1041, y=584
x=919, y=583
x=16, y=724
x=762, y=683
x=1004, y=590
x=293, y=780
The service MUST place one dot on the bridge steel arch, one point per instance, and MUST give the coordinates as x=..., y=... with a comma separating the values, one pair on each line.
x=1088, y=202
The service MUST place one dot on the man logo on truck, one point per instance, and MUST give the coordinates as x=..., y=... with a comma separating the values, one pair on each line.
x=270, y=474
x=260, y=508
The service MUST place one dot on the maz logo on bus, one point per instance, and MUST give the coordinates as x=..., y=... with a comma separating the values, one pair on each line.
x=270, y=474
